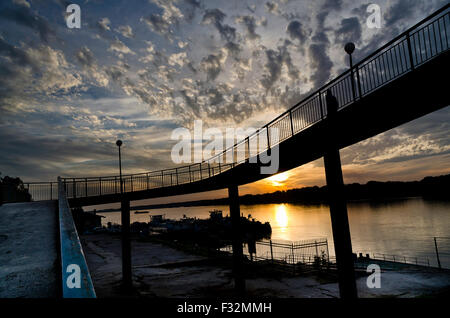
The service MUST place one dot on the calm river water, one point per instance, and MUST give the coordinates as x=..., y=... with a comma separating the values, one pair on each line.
x=402, y=227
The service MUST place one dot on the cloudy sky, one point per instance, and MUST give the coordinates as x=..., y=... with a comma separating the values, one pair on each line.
x=136, y=70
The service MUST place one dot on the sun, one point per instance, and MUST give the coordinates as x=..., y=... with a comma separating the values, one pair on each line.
x=277, y=180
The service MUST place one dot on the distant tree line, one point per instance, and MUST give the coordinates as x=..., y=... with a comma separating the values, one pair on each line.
x=13, y=190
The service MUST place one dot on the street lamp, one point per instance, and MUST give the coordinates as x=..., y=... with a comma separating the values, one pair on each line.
x=350, y=48
x=125, y=217
x=118, y=144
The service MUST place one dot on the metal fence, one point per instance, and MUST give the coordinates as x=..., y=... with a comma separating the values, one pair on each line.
x=306, y=252
x=403, y=54
x=42, y=190
x=411, y=260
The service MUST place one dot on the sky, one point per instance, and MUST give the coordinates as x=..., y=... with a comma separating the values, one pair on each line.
x=137, y=70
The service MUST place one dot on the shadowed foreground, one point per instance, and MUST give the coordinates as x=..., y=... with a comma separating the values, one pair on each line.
x=162, y=271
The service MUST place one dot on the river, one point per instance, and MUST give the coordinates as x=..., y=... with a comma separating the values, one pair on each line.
x=404, y=228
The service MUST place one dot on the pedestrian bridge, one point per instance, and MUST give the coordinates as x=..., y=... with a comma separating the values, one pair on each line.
x=397, y=83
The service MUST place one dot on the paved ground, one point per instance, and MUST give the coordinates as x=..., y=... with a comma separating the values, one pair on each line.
x=28, y=250
x=161, y=271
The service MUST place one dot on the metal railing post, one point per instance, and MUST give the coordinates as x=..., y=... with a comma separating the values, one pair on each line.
x=147, y=182
x=271, y=251
x=85, y=186
x=51, y=188
x=190, y=178
x=358, y=82
x=248, y=148
x=100, y=185
x=321, y=107
x=292, y=125
x=131, y=177
x=162, y=178
x=201, y=175
x=209, y=170
x=408, y=42
x=352, y=79
x=176, y=173
x=74, y=191
x=437, y=253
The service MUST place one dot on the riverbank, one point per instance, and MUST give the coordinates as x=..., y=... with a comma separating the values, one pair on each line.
x=163, y=271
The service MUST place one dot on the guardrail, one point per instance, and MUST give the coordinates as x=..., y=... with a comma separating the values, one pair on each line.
x=422, y=261
x=76, y=279
x=411, y=49
x=41, y=191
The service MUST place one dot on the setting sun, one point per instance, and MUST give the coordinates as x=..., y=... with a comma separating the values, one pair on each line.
x=277, y=180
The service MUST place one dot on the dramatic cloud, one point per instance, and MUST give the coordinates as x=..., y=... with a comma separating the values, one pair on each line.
x=274, y=64
x=349, y=31
x=103, y=24
x=25, y=17
x=126, y=31
x=23, y=3
x=212, y=65
x=86, y=58
x=250, y=24
x=216, y=17
x=272, y=7
x=120, y=47
x=295, y=31
x=320, y=63
x=163, y=23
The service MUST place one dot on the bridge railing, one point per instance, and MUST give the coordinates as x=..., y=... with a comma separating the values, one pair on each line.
x=41, y=191
x=417, y=45
x=76, y=279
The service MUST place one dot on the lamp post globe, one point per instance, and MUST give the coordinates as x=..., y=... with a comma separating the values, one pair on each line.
x=119, y=143
x=349, y=47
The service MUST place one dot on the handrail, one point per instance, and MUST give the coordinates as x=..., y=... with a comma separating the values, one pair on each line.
x=76, y=279
x=397, y=57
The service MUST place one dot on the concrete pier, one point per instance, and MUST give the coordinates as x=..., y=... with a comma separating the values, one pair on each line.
x=29, y=266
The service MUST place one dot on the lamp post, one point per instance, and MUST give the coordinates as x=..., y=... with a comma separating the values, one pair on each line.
x=349, y=49
x=126, y=244
x=118, y=144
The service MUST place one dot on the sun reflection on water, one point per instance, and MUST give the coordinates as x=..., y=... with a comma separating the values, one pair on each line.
x=281, y=217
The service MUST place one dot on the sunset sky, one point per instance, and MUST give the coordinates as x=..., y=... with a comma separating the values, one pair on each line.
x=137, y=70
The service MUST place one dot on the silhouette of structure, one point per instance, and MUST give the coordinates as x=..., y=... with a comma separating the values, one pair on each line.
x=393, y=85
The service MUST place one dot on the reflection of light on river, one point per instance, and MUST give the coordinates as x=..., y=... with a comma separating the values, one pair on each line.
x=281, y=217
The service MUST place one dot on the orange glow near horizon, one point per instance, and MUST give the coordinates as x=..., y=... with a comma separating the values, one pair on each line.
x=278, y=179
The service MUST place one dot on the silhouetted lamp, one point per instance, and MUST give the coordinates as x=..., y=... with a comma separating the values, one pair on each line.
x=350, y=48
x=119, y=143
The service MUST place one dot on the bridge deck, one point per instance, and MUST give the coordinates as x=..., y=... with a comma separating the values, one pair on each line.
x=28, y=250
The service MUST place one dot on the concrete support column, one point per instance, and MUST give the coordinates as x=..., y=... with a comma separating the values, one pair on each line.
x=126, y=244
x=338, y=207
x=235, y=214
